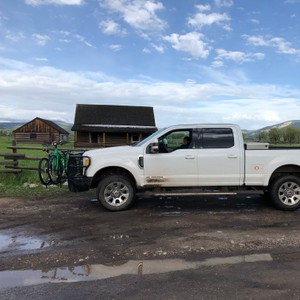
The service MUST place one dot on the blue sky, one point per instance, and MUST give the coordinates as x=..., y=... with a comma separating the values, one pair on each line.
x=232, y=61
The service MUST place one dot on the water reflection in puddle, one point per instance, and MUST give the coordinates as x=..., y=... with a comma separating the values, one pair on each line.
x=8, y=242
x=132, y=267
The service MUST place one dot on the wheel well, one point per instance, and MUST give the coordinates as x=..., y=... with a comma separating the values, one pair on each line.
x=285, y=170
x=111, y=171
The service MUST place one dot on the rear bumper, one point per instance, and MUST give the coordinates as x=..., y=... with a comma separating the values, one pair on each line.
x=79, y=183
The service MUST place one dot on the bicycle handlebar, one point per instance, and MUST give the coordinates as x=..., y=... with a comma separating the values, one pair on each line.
x=47, y=147
x=54, y=143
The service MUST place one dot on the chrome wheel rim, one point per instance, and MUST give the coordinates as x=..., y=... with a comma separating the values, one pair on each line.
x=116, y=193
x=289, y=193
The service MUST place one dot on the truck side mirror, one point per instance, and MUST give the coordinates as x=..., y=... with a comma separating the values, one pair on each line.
x=153, y=148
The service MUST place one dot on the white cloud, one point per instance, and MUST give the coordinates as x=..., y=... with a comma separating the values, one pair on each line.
x=40, y=39
x=3, y=18
x=217, y=64
x=224, y=3
x=15, y=37
x=110, y=27
x=158, y=48
x=9, y=113
x=203, y=7
x=201, y=19
x=83, y=40
x=238, y=56
x=190, y=43
x=254, y=21
x=57, y=2
x=22, y=87
x=291, y=1
x=115, y=47
x=40, y=59
x=66, y=41
x=279, y=43
x=283, y=46
x=62, y=32
x=256, y=115
x=146, y=50
x=257, y=40
x=68, y=37
x=139, y=14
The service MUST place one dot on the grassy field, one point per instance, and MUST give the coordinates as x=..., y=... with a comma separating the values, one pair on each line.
x=26, y=183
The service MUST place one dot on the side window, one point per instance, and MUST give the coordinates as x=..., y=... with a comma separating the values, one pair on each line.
x=217, y=138
x=175, y=140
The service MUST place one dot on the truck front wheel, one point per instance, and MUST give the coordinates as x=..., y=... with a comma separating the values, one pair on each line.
x=285, y=192
x=116, y=192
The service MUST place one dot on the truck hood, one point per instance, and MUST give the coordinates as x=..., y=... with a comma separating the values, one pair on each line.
x=109, y=150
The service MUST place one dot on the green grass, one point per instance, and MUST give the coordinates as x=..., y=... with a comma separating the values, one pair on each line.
x=26, y=183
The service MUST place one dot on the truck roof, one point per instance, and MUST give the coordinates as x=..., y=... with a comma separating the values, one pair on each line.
x=203, y=125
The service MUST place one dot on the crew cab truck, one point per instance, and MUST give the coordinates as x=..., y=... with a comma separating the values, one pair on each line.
x=213, y=159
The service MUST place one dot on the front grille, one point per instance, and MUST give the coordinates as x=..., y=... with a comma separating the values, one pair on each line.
x=75, y=165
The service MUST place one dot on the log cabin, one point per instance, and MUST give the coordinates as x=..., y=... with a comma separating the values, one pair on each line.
x=97, y=126
x=41, y=131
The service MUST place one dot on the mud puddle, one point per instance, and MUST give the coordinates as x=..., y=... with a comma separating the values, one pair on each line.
x=131, y=267
x=9, y=242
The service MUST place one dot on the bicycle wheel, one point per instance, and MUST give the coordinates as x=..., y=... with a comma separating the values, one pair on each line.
x=44, y=171
x=55, y=170
x=63, y=174
x=64, y=163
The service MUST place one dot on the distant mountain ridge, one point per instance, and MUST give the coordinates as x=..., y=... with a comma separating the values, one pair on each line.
x=10, y=126
x=293, y=123
x=252, y=134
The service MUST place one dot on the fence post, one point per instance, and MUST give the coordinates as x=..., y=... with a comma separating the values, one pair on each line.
x=14, y=143
x=14, y=150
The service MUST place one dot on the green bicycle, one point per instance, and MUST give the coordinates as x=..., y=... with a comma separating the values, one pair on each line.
x=53, y=170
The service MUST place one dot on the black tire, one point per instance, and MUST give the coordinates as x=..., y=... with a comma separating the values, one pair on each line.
x=116, y=192
x=55, y=171
x=285, y=192
x=44, y=171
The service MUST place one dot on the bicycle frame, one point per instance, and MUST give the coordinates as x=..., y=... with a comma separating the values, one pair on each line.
x=58, y=164
x=53, y=169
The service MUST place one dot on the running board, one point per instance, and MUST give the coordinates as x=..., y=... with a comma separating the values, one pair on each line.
x=188, y=194
x=200, y=192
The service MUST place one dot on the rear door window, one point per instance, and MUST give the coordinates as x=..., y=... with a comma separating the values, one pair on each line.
x=217, y=138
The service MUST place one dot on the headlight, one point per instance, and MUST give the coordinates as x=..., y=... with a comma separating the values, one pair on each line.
x=86, y=162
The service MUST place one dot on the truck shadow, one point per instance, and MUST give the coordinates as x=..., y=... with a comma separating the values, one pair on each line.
x=203, y=204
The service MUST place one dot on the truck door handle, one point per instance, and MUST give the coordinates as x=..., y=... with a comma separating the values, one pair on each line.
x=232, y=156
x=189, y=157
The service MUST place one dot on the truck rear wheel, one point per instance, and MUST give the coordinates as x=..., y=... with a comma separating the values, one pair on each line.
x=285, y=192
x=116, y=192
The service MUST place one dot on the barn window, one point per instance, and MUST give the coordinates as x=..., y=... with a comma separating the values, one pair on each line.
x=135, y=137
x=94, y=137
x=33, y=136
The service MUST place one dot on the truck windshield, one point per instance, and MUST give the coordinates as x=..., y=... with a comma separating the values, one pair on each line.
x=149, y=137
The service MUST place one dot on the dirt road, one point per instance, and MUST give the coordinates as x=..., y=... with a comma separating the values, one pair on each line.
x=76, y=234
x=76, y=229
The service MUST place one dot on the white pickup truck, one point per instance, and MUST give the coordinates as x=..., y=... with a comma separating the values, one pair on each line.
x=188, y=160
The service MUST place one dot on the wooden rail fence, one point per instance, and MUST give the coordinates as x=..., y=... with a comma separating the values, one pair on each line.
x=11, y=159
